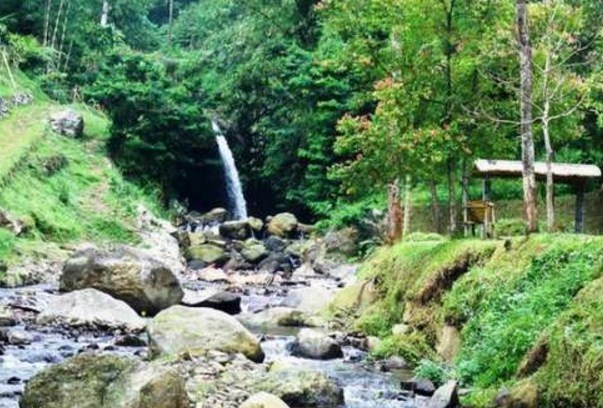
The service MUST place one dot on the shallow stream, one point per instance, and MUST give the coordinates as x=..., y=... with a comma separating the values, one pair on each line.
x=37, y=347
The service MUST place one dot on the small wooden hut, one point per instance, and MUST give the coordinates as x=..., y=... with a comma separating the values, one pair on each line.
x=575, y=175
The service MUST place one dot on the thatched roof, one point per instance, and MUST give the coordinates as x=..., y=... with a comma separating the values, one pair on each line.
x=562, y=172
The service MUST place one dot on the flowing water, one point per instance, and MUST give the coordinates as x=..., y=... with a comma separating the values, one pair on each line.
x=364, y=386
x=43, y=346
x=238, y=205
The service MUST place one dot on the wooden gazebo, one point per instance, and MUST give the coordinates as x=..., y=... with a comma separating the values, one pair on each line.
x=575, y=175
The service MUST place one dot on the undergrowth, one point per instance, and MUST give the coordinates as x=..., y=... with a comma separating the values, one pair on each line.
x=511, y=317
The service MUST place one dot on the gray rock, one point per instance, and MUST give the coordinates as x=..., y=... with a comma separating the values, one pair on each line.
x=299, y=388
x=90, y=307
x=317, y=345
x=275, y=244
x=142, y=282
x=21, y=99
x=264, y=400
x=420, y=386
x=197, y=331
x=105, y=381
x=445, y=397
x=312, y=299
x=239, y=230
x=275, y=317
x=214, y=217
x=274, y=263
x=226, y=302
x=67, y=123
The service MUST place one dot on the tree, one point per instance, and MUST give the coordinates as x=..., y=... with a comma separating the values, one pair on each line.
x=527, y=137
x=562, y=90
x=104, y=21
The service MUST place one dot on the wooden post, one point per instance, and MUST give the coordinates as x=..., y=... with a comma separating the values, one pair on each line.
x=580, y=188
x=465, y=200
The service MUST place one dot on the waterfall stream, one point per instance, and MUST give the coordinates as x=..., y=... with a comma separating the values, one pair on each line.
x=237, y=203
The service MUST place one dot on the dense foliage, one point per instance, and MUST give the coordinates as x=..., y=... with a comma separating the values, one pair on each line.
x=325, y=102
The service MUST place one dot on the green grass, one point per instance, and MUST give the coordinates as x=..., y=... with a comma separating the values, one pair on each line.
x=64, y=190
x=530, y=313
x=573, y=373
x=509, y=319
x=418, y=273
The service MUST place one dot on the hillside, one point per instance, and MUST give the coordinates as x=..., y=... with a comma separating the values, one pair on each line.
x=513, y=314
x=62, y=191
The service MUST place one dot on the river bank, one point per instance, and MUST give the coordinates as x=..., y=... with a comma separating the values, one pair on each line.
x=274, y=305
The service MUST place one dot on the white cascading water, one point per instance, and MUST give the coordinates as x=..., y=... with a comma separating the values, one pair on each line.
x=238, y=205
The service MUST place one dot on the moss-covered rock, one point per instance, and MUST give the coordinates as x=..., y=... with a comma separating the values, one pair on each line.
x=254, y=251
x=104, y=381
x=196, y=331
x=300, y=388
x=264, y=400
x=207, y=253
x=282, y=225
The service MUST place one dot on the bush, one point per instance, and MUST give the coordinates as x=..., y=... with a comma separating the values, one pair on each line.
x=411, y=347
x=512, y=227
x=434, y=371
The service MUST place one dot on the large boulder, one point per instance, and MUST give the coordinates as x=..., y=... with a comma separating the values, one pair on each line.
x=105, y=381
x=317, y=345
x=67, y=123
x=264, y=400
x=144, y=283
x=254, y=251
x=226, y=302
x=275, y=317
x=11, y=224
x=255, y=224
x=445, y=397
x=299, y=387
x=208, y=254
x=92, y=308
x=215, y=216
x=239, y=230
x=197, y=331
x=275, y=262
x=312, y=299
x=282, y=225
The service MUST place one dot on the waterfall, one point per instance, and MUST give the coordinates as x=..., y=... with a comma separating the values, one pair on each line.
x=237, y=203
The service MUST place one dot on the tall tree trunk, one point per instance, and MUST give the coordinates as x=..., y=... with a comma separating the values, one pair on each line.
x=465, y=199
x=527, y=138
x=55, y=31
x=550, y=183
x=47, y=22
x=546, y=118
x=62, y=42
x=452, y=202
x=407, y=206
x=171, y=21
x=394, y=212
x=104, y=21
x=436, y=210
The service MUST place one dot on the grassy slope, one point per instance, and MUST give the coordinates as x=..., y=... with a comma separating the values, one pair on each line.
x=64, y=190
x=511, y=301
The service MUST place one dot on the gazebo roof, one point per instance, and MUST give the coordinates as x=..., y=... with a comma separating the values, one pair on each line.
x=562, y=172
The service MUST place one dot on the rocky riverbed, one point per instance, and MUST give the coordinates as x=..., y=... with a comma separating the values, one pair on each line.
x=218, y=335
